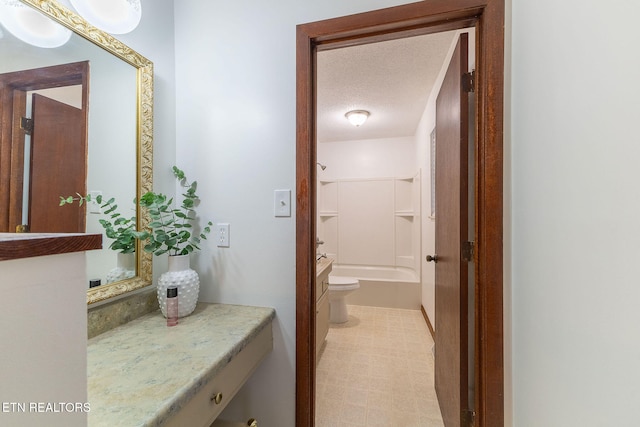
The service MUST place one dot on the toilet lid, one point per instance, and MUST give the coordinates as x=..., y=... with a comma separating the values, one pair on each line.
x=341, y=280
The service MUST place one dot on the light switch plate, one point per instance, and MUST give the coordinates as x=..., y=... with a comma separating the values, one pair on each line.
x=282, y=203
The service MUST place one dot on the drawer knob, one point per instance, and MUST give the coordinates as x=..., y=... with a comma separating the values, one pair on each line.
x=217, y=398
x=252, y=423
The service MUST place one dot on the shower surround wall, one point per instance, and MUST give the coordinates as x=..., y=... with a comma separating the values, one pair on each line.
x=369, y=218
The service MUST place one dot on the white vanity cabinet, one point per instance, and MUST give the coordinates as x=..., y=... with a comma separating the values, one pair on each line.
x=208, y=403
x=145, y=373
x=323, y=268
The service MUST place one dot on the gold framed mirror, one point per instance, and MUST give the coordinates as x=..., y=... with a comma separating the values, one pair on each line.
x=142, y=124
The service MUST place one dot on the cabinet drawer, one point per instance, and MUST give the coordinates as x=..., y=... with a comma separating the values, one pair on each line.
x=322, y=323
x=322, y=284
x=209, y=402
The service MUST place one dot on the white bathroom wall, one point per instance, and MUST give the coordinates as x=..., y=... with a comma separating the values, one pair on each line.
x=574, y=203
x=427, y=238
x=367, y=158
x=236, y=136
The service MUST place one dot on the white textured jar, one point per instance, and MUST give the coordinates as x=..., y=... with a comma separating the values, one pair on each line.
x=185, y=279
x=125, y=268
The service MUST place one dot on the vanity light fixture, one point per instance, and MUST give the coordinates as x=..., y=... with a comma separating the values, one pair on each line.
x=357, y=117
x=31, y=26
x=111, y=16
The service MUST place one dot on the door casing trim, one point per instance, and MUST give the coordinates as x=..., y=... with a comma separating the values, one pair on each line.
x=487, y=16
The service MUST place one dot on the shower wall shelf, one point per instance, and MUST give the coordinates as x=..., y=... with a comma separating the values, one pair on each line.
x=384, y=212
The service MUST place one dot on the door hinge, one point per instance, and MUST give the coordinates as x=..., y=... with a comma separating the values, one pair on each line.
x=468, y=251
x=469, y=81
x=468, y=418
x=27, y=125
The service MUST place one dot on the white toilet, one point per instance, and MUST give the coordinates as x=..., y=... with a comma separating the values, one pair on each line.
x=340, y=287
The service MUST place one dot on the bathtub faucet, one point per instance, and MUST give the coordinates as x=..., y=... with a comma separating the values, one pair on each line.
x=320, y=256
x=318, y=242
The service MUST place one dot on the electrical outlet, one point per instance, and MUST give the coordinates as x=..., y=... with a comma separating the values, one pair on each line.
x=222, y=235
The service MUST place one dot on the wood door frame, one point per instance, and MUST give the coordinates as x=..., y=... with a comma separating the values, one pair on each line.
x=13, y=89
x=487, y=16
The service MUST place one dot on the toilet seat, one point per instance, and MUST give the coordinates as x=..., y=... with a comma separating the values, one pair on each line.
x=343, y=283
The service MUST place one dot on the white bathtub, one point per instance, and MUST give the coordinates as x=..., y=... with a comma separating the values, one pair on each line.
x=383, y=286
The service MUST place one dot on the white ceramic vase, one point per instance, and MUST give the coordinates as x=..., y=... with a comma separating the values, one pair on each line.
x=125, y=268
x=187, y=282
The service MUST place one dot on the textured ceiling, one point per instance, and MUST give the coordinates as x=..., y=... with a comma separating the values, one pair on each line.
x=392, y=80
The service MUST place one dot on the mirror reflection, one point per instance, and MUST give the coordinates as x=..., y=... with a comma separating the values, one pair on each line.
x=74, y=112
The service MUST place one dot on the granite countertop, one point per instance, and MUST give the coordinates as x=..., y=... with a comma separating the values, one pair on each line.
x=142, y=373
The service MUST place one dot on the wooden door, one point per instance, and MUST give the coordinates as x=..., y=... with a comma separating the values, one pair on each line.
x=58, y=166
x=451, y=350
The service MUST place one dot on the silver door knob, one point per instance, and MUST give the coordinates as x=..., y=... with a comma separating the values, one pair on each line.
x=432, y=258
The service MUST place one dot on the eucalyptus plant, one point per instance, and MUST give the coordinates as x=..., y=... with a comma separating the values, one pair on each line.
x=171, y=228
x=117, y=227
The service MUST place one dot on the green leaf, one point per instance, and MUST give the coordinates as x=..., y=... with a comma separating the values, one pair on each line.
x=141, y=235
x=178, y=173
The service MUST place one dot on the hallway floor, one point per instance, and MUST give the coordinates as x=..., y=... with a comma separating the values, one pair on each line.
x=376, y=370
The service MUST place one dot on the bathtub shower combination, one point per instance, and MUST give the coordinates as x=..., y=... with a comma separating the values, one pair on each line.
x=371, y=229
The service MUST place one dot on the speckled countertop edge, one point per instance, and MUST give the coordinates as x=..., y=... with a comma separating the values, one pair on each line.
x=322, y=264
x=129, y=389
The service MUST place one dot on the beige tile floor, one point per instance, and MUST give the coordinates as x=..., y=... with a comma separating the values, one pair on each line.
x=376, y=370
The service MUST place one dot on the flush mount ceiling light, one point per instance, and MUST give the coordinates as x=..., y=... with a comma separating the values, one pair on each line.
x=357, y=117
x=112, y=16
x=31, y=26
